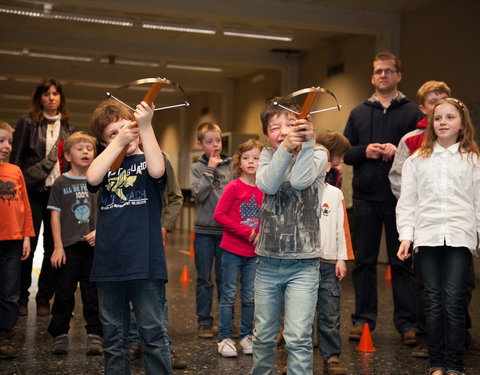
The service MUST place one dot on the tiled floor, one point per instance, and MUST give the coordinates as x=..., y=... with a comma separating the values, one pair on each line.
x=391, y=357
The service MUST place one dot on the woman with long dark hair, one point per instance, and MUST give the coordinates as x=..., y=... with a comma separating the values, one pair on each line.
x=37, y=135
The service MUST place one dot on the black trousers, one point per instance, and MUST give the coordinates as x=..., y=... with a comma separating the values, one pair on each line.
x=370, y=218
x=76, y=270
x=48, y=275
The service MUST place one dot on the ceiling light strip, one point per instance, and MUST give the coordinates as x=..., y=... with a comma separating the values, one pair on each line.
x=195, y=67
x=245, y=34
x=67, y=16
x=179, y=28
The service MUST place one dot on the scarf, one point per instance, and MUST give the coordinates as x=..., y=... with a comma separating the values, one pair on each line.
x=53, y=130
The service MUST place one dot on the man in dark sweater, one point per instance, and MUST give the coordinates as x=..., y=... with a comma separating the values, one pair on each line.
x=374, y=128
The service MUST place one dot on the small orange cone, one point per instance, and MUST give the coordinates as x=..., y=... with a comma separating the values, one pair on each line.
x=185, y=278
x=366, y=344
x=388, y=273
x=192, y=249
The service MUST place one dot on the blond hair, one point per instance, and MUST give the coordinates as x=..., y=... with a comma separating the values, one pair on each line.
x=6, y=126
x=79, y=137
x=437, y=87
x=206, y=127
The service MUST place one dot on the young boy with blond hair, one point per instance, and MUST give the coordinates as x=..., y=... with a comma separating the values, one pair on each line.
x=129, y=263
x=73, y=212
x=208, y=178
x=16, y=228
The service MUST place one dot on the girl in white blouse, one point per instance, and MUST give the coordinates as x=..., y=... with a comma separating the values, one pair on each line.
x=439, y=212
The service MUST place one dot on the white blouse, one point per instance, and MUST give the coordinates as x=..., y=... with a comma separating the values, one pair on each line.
x=440, y=199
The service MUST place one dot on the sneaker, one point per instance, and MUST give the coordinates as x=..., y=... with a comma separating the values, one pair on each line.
x=420, y=351
x=332, y=366
x=94, y=345
x=355, y=333
x=205, y=331
x=60, y=344
x=177, y=362
x=135, y=352
x=227, y=348
x=409, y=337
x=247, y=345
x=7, y=351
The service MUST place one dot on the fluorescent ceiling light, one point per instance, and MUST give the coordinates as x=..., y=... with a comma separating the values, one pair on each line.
x=55, y=56
x=67, y=16
x=258, y=35
x=180, y=28
x=195, y=67
x=117, y=61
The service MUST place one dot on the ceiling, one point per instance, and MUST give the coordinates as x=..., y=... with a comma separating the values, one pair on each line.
x=111, y=56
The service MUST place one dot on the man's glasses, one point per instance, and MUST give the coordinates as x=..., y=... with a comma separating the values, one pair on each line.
x=387, y=71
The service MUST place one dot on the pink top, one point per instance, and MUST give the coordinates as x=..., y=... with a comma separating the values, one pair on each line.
x=238, y=211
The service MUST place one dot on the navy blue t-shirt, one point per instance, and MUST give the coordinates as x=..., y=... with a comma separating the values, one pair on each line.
x=128, y=243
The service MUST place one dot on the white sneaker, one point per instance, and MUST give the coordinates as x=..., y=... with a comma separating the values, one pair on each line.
x=227, y=348
x=247, y=345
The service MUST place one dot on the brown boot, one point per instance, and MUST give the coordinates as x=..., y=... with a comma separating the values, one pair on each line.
x=332, y=366
x=7, y=351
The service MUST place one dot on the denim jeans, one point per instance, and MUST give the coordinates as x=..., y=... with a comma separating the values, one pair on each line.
x=207, y=250
x=148, y=301
x=133, y=337
x=10, y=253
x=289, y=285
x=444, y=270
x=370, y=218
x=328, y=312
x=233, y=267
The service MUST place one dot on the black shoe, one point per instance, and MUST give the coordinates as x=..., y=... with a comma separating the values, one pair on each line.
x=60, y=344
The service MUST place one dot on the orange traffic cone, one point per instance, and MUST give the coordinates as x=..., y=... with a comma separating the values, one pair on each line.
x=388, y=273
x=366, y=344
x=185, y=278
x=192, y=249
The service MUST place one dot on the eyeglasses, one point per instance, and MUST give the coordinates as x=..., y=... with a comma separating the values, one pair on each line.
x=387, y=71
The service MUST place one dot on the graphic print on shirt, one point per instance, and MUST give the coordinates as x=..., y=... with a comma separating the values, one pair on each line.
x=116, y=184
x=7, y=191
x=81, y=204
x=250, y=213
x=81, y=210
x=121, y=187
x=325, y=209
x=290, y=220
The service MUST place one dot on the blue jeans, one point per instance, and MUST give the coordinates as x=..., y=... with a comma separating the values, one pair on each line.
x=148, y=301
x=289, y=285
x=370, y=218
x=207, y=250
x=444, y=270
x=133, y=337
x=10, y=269
x=328, y=312
x=233, y=266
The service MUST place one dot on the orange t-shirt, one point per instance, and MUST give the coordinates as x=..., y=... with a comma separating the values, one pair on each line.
x=15, y=213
